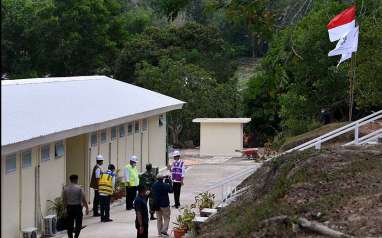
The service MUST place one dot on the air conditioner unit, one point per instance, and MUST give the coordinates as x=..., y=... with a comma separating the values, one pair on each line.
x=29, y=232
x=50, y=223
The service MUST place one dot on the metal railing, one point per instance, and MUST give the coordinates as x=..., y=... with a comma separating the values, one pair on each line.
x=354, y=126
x=229, y=185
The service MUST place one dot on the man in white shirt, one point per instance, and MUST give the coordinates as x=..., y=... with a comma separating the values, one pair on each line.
x=177, y=172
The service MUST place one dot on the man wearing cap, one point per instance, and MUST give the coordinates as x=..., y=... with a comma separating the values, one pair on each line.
x=131, y=181
x=177, y=174
x=96, y=174
x=161, y=188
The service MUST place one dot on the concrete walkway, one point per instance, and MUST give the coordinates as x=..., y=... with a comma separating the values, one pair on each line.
x=201, y=173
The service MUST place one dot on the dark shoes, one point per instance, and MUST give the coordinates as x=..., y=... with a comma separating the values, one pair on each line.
x=107, y=220
x=96, y=215
x=164, y=234
x=152, y=218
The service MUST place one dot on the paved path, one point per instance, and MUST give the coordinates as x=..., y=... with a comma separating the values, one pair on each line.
x=201, y=173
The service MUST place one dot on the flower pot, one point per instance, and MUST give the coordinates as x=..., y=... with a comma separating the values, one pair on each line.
x=179, y=233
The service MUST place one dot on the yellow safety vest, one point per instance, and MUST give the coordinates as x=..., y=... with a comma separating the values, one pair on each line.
x=105, y=184
x=133, y=176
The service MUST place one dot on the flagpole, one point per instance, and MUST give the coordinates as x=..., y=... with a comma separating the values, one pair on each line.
x=351, y=84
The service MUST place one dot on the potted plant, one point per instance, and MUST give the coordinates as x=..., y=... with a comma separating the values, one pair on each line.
x=57, y=206
x=119, y=190
x=184, y=222
x=204, y=200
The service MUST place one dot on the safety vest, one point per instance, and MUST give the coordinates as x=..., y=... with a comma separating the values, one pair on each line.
x=133, y=176
x=105, y=184
x=177, y=170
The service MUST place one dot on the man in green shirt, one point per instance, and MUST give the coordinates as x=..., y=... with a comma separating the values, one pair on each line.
x=147, y=180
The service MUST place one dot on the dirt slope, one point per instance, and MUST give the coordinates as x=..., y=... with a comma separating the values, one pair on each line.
x=338, y=187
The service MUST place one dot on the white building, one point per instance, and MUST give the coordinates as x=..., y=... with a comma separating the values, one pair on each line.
x=54, y=127
x=221, y=136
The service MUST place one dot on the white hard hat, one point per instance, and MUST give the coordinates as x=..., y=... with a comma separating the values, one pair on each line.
x=176, y=153
x=134, y=158
x=99, y=158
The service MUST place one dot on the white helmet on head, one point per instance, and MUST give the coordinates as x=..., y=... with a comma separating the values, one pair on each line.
x=176, y=153
x=99, y=158
x=134, y=158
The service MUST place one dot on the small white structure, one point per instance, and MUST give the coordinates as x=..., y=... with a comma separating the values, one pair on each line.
x=221, y=136
x=54, y=127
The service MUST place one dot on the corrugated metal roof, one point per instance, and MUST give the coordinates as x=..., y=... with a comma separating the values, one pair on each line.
x=33, y=108
x=222, y=120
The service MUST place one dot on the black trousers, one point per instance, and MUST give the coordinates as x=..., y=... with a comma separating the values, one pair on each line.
x=150, y=199
x=96, y=203
x=145, y=232
x=177, y=187
x=131, y=193
x=74, y=215
x=105, y=207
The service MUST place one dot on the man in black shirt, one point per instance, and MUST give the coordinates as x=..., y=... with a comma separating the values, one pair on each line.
x=142, y=215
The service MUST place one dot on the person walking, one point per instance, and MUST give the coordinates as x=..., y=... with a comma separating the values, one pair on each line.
x=147, y=180
x=74, y=199
x=131, y=181
x=177, y=174
x=106, y=188
x=97, y=169
x=161, y=188
x=142, y=216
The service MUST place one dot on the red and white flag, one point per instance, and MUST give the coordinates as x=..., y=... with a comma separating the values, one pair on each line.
x=341, y=24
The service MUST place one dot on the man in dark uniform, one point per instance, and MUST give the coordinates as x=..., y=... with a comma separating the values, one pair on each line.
x=96, y=174
x=74, y=199
x=142, y=216
x=147, y=180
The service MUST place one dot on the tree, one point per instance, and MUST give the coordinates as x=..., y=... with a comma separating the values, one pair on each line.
x=169, y=8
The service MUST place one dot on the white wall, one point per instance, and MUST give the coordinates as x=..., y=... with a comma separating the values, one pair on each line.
x=221, y=139
x=157, y=142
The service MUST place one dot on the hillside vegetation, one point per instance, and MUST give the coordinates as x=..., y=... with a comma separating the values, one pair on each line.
x=340, y=188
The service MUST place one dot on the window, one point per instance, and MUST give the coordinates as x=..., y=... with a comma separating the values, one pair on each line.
x=144, y=124
x=103, y=136
x=130, y=128
x=136, y=126
x=45, y=152
x=26, y=159
x=59, y=149
x=161, y=120
x=113, y=133
x=93, y=139
x=121, y=131
x=10, y=163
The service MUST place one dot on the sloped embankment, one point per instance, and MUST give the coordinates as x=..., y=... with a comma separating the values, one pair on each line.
x=340, y=187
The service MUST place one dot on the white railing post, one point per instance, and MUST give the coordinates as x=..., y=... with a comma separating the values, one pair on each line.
x=317, y=146
x=356, y=133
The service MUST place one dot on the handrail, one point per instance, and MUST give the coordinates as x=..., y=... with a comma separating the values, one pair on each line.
x=339, y=131
x=232, y=178
x=366, y=138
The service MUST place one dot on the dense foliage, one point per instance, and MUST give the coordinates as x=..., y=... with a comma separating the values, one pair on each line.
x=189, y=50
x=298, y=79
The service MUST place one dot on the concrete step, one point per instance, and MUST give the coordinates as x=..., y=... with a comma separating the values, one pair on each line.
x=207, y=212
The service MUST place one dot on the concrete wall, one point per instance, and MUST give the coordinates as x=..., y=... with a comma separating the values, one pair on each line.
x=221, y=139
x=19, y=208
x=18, y=188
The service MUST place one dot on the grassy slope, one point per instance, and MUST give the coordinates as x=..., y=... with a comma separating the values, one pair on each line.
x=344, y=185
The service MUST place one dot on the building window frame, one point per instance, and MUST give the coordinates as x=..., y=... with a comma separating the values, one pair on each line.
x=93, y=139
x=103, y=138
x=59, y=149
x=122, y=132
x=45, y=152
x=144, y=124
x=10, y=163
x=26, y=159
x=129, y=128
x=137, y=127
x=113, y=133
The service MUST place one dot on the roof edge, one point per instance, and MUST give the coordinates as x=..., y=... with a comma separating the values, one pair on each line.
x=221, y=120
x=26, y=144
x=9, y=82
